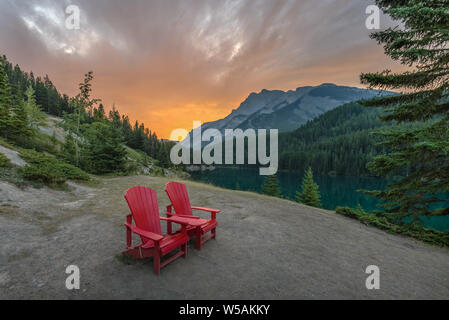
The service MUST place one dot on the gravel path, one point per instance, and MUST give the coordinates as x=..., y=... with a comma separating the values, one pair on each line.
x=266, y=248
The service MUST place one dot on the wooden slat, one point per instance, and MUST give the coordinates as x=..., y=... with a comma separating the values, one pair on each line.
x=177, y=192
x=172, y=258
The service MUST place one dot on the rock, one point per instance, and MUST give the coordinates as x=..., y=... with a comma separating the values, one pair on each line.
x=13, y=156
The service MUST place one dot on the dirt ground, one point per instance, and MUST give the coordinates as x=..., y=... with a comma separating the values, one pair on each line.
x=266, y=248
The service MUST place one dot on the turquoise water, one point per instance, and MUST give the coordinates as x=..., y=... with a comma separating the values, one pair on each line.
x=335, y=191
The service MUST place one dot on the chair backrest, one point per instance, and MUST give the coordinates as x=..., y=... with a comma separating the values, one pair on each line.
x=143, y=205
x=177, y=192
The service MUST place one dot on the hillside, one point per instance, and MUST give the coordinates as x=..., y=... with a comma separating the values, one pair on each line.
x=31, y=106
x=49, y=138
x=266, y=248
x=42, y=162
x=337, y=142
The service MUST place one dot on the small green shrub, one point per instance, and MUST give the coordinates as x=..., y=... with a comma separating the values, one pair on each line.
x=4, y=161
x=411, y=230
x=43, y=173
x=6, y=144
x=157, y=171
x=131, y=167
x=49, y=170
x=34, y=157
x=39, y=142
x=13, y=176
x=72, y=172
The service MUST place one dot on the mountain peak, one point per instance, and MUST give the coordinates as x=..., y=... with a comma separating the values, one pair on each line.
x=288, y=110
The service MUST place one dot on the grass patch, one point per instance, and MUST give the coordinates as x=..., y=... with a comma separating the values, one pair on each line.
x=22, y=254
x=157, y=171
x=12, y=175
x=40, y=142
x=4, y=161
x=125, y=259
x=430, y=236
x=8, y=209
x=6, y=144
x=93, y=182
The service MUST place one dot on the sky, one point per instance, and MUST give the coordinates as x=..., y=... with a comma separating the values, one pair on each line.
x=169, y=63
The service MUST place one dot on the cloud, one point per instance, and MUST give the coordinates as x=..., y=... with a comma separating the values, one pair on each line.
x=167, y=63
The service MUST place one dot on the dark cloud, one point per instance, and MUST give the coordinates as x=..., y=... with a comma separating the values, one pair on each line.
x=170, y=62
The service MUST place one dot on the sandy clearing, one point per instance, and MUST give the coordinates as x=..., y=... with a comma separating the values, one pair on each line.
x=266, y=248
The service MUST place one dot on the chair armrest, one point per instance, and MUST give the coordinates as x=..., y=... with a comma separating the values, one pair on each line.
x=206, y=209
x=147, y=234
x=176, y=219
x=213, y=212
x=188, y=217
x=185, y=222
x=171, y=214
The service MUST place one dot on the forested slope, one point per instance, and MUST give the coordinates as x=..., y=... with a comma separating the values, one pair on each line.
x=51, y=101
x=338, y=142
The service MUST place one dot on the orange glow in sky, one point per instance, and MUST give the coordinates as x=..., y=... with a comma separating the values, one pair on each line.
x=169, y=63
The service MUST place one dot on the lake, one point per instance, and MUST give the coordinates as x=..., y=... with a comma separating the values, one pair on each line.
x=335, y=191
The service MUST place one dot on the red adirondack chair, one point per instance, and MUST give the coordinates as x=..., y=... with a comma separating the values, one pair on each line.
x=177, y=192
x=145, y=211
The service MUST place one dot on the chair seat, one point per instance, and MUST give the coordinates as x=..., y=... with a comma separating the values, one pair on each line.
x=168, y=243
x=206, y=227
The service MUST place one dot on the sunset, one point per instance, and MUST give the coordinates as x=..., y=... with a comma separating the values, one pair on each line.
x=223, y=158
x=168, y=63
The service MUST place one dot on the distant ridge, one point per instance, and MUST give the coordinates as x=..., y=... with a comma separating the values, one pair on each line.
x=288, y=110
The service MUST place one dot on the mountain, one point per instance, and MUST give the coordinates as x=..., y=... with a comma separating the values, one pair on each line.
x=287, y=111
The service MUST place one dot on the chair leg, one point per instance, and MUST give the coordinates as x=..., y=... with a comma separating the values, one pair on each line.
x=214, y=233
x=157, y=262
x=184, y=249
x=198, y=239
x=169, y=228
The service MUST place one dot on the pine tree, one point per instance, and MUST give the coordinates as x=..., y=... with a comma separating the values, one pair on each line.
x=164, y=156
x=271, y=186
x=19, y=121
x=69, y=149
x=418, y=153
x=99, y=114
x=79, y=104
x=6, y=101
x=104, y=152
x=310, y=193
x=35, y=116
x=85, y=91
x=53, y=138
